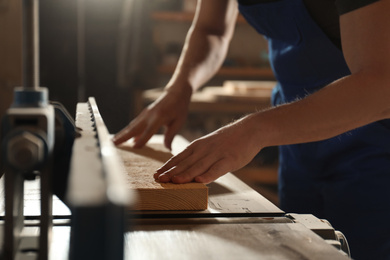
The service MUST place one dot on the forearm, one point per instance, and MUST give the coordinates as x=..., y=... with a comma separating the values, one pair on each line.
x=201, y=58
x=346, y=104
x=205, y=46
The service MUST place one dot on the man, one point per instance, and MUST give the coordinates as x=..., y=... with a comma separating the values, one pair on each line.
x=332, y=102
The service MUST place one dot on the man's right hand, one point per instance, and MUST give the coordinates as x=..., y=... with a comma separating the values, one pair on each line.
x=169, y=110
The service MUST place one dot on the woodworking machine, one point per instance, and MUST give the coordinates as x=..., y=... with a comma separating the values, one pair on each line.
x=44, y=152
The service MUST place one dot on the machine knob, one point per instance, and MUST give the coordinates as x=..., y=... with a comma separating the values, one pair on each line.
x=25, y=151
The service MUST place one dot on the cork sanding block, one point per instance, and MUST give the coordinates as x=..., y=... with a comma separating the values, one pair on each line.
x=141, y=164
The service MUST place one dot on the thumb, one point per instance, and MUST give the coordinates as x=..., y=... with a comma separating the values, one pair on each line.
x=170, y=132
x=168, y=140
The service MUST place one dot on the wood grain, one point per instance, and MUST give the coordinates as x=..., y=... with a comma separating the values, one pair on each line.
x=140, y=165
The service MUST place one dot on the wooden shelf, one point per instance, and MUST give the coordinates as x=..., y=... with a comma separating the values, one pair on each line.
x=172, y=16
x=181, y=16
x=249, y=72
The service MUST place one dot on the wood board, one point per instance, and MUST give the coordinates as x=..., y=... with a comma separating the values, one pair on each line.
x=140, y=165
x=223, y=94
x=248, y=86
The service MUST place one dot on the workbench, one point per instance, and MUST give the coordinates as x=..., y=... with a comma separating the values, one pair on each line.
x=238, y=224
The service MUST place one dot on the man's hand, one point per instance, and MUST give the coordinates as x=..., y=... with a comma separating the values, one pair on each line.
x=213, y=155
x=169, y=111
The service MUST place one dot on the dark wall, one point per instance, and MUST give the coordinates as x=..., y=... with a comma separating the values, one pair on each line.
x=60, y=57
x=102, y=20
x=58, y=51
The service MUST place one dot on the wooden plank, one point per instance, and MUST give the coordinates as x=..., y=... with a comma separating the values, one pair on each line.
x=140, y=165
x=228, y=196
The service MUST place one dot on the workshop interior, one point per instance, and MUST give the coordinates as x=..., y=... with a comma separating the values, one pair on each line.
x=72, y=73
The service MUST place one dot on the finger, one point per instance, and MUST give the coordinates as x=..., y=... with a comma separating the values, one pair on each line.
x=197, y=169
x=173, y=161
x=220, y=168
x=177, y=168
x=167, y=175
x=150, y=130
x=120, y=137
x=170, y=133
x=186, y=170
x=128, y=132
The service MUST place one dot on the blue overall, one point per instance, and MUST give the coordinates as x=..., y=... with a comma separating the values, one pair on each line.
x=346, y=179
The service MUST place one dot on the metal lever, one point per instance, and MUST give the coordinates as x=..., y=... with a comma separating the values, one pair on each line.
x=30, y=44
